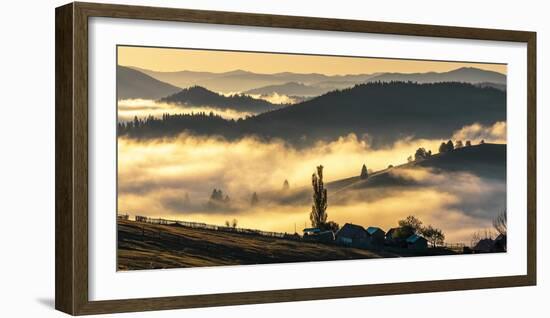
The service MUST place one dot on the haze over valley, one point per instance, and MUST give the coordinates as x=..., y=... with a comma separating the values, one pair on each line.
x=187, y=138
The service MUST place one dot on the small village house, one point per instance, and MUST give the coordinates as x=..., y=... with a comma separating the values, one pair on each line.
x=395, y=238
x=484, y=246
x=352, y=235
x=391, y=233
x=123, y=217
x=316, y=235
x=488, y=245
x=325, y=237
x=311, y=231
x=376, y=236
x=417, y=242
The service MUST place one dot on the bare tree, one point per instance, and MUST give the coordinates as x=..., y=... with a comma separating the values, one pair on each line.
x=434, y=235
x=500, y=223
x=411, y=222
x=318, y=214
x=476, y=237
x=488, y=234
x=234, y=223
x=485, y=234
x=331, y=226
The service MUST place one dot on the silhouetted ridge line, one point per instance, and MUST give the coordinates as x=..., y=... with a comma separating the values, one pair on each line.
x=200, y=96
x=384, y=111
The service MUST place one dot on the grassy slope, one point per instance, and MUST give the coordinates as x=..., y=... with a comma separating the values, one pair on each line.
x=166, y=246
x=484, y=161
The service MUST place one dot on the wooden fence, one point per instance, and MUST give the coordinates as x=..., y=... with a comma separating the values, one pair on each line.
x=204, y=226
x=454, y=246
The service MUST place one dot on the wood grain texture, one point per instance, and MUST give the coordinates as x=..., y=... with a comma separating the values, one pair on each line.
x=297, y=22
x=165, y=303
x=532, y=158
x=64, y=235
x=72, y=157
x=80, y=146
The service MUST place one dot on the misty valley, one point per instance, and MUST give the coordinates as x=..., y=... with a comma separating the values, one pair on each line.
x=243, y=167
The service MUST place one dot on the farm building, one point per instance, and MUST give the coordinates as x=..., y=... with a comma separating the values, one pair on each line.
x=417, y=242
x=486, y=245
x=391, y=232
x=376, y=236
x=500, y=243
x=316, y=235
x=311, y=231
x=397, y=237
x=352, y=235
x=123, y=216
x=325, y=237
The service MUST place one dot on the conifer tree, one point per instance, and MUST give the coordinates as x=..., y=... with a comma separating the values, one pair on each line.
x=254, y=200
x=286, y=186
x=364, y=172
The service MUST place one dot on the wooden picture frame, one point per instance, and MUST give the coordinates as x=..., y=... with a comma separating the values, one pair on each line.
x=71, y=90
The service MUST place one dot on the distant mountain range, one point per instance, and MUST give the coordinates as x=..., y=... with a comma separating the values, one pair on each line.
x=502, y=87
x=135, y=84
x=465, y=75
x=307, y=85
x=241, y=81
x=383, y=111
x=200, y=96
x=290, y=89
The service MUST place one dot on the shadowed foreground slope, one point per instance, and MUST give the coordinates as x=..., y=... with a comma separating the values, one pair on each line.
x=165, y=246
x=177, y=247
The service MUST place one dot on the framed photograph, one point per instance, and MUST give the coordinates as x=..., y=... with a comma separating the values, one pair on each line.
x=218, y=158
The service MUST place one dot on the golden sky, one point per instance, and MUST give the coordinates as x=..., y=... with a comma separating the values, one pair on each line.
x=168, y=59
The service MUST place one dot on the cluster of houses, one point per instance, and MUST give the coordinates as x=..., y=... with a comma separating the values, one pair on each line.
x=489, y=245
x=354, y=235
x=350, y=235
